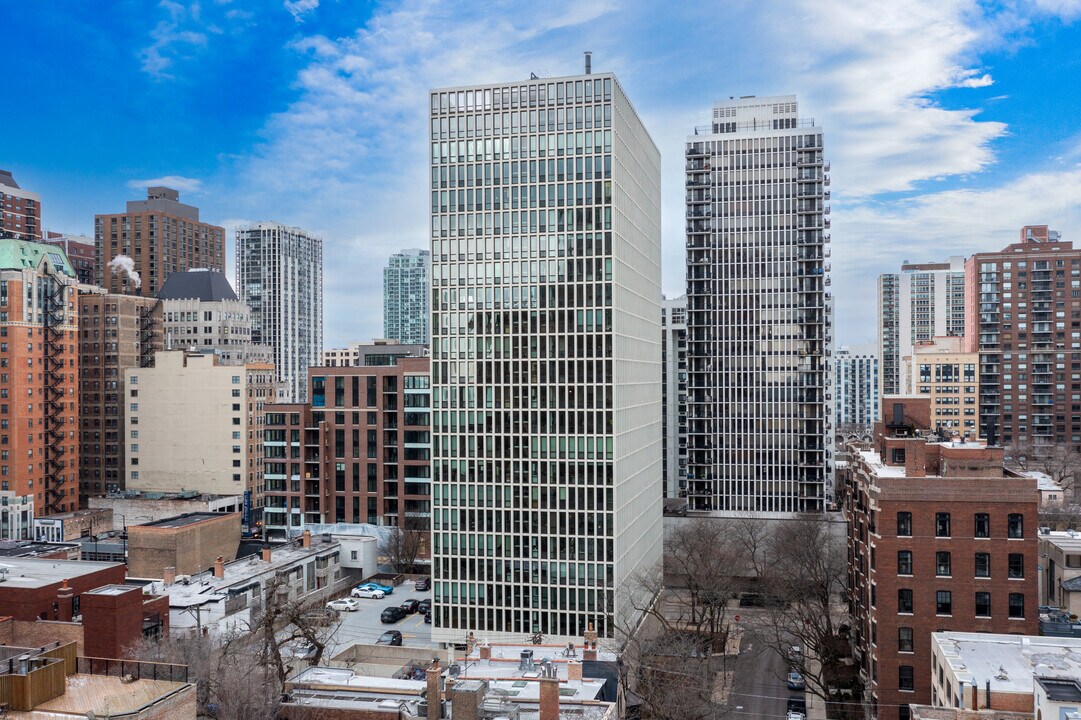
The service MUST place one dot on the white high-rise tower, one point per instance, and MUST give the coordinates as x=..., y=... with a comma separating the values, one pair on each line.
x=546, y=375
x=406, y=294
x=279, y=274
x=758, y=311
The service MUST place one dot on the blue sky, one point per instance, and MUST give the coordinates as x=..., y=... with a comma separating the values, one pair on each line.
x=949, y=123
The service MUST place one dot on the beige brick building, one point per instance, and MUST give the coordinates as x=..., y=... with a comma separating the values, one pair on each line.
x=195, y=425
x=943, y=371
x=188, y=543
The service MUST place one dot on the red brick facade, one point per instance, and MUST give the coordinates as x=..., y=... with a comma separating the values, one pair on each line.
x=48, y=601
x=931, y=525
x=115, y=620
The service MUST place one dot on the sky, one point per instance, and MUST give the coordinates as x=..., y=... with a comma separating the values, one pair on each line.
x=949, y=123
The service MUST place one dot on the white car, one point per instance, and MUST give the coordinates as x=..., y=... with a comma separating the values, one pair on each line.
x=344, y=605
x=367, y=593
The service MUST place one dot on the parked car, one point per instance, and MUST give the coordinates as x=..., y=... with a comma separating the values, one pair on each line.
x=795, y=716
x=365, y=592
x=409, y=606
x=428, y=617
x=344, y=605
x=795, y=654
x=387, y=589
x=797, y=703
x=422, y=584
x=425, y=606
x=795, y=681
x=392, y=615
x=390, y=637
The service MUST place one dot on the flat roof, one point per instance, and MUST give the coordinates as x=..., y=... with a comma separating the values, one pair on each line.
x=105, y=695
x=1009, y=662
x=1065, y=540
x=184, y=520
x=40, y=572
x=114, y=590
x=30, y=549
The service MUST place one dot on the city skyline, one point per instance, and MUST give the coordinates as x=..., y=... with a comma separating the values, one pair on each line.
x=951, y=157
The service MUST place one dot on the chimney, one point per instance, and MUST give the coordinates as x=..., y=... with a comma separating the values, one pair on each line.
x=219, y=567
x=549, y=698
x=589, y=63
x=485, y=651
x=433, y=694
x=574, y=670
x=590, y=651
x=266, y=553
x=64, y=594
x=306, y=539
x=170, y=575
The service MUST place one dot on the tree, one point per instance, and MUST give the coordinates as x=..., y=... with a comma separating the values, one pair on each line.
x=1060, y=462
x=807, y=585
x=401, y=545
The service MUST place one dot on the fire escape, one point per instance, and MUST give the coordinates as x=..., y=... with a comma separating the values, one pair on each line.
x=148, y=334
x=55, y=449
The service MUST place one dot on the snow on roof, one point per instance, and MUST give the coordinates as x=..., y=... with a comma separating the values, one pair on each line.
x=1008, y=662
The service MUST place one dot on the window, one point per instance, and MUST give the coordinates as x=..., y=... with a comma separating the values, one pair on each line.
x=983, y=526
x=1017, y=566
x=942, y=524
x=943, y=602
x=904, y=562
x=904, y=524
x=983, y=604
x=904, y=601
x=942, y=564
x=1017, y=606
x=983, y=565
x=906, y=678
x=236, y=379
x=1016, y=526
x=904, y=640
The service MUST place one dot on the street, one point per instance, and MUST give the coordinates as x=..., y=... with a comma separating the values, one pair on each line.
x=759, y=687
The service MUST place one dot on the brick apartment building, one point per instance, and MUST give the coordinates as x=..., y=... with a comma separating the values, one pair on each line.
x=1023, y=315
x=161, y=235
x=39, y=365
x=116, y=333
x=941, y=537
x=357, y=453
x=20, y=210
x=52, y=589
x=80, y=252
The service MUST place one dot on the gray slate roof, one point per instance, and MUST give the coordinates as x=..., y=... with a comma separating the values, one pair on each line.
x=205, y=285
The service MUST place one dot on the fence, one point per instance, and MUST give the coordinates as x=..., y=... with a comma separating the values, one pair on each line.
x=135, y=669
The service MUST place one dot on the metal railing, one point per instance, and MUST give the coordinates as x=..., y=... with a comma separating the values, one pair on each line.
x=134, y=669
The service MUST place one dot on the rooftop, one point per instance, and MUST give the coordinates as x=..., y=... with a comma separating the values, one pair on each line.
x=30, y=549
x=204, y=285
x=103, y=695
x=1069, y=541
x=26, y=255
x=1061, y=690
x=38, y=573
x=184, y=520
x=1009, y=662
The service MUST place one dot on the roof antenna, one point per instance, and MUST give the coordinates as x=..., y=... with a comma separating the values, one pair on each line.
x=533, y=76
x=589, y=62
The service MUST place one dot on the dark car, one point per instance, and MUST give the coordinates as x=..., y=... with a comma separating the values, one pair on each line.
x=797, y=703
x=428, y=617
x=425, y=606
x=390, y=637
x=409, y=606
x=392, y=615
x=795, y=681
x=422, y=584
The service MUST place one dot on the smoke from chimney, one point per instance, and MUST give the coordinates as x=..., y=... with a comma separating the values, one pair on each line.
x=124, y=264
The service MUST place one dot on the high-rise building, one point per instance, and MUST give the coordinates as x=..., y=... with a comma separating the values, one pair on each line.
x=759, y=310
x=195, y=425
x=200, y=312
x=138, y=249
x=943, y=371
x=80, y=252
x=406, y=299
x=39, y=367
x=922, y=302
x=674, y=395
x=116, y=332
x=856, y=387
x=20, y=210
x=366, y=434
x=279, y=275
x=371, y=354
x=941, y=538
x=546, y=393
x=1025, y=321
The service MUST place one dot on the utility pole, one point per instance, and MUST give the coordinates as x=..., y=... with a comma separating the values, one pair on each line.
x=196, y=611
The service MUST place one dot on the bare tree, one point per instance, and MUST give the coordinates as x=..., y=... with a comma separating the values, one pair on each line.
x=401, y=545
x=807, y=586
x=1060, y=462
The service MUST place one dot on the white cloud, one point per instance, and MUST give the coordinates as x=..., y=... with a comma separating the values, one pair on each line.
x=300, y=8
x=171, y=39
x=176, y=182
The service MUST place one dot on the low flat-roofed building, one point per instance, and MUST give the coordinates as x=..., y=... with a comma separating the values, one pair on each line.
x=188, y=544
x=132, y=507
x=1060, y=579
x=42, y=550
x=51, y=589
x=71, y=526
x=965, y=665
x=309, y=568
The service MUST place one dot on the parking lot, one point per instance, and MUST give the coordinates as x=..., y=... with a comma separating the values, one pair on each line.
x=363, y=626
